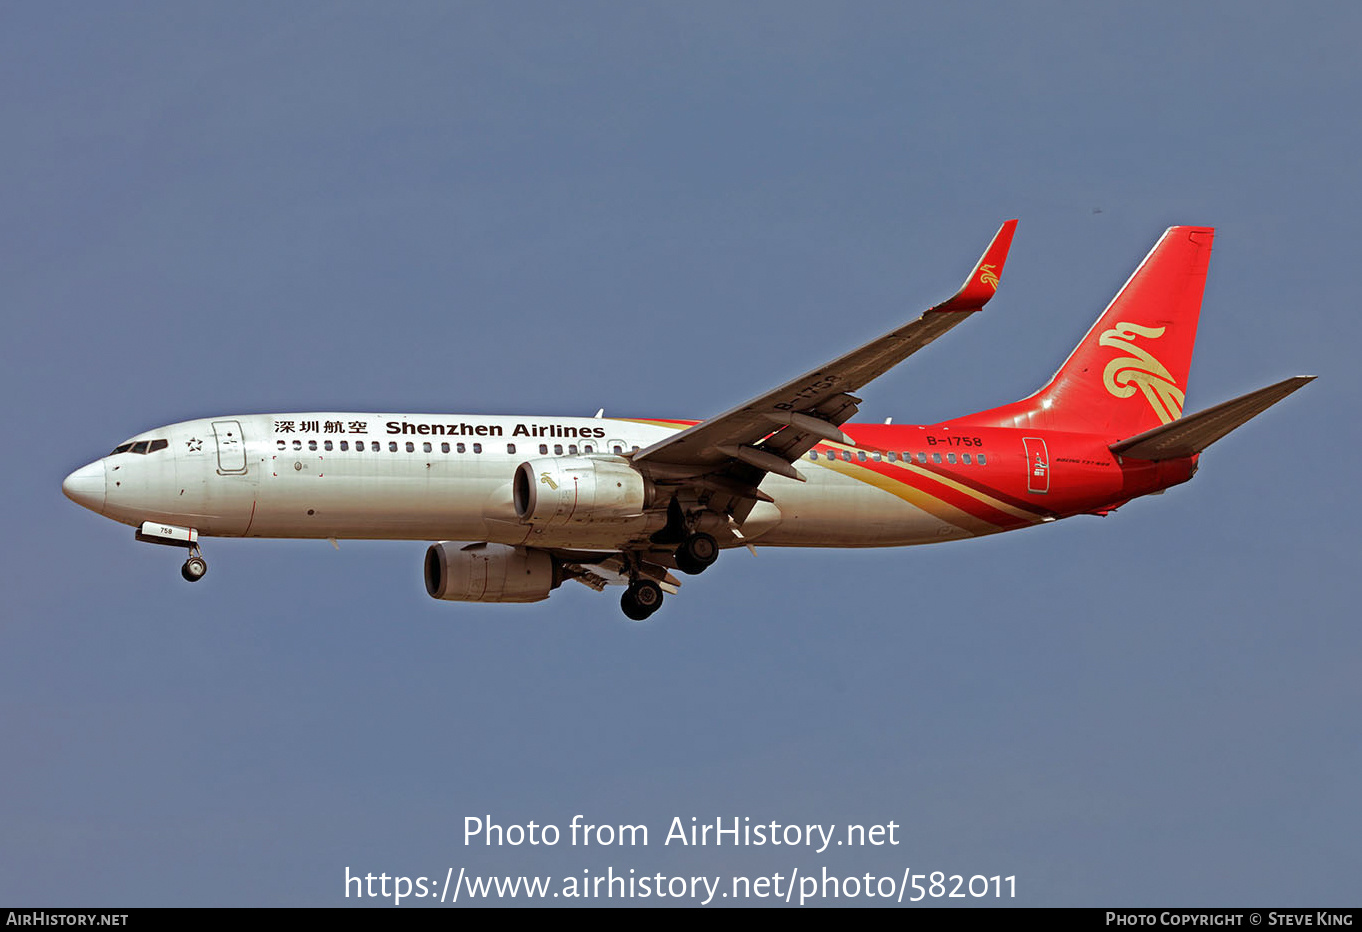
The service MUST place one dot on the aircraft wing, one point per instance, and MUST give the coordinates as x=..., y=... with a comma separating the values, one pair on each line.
x=734, y=450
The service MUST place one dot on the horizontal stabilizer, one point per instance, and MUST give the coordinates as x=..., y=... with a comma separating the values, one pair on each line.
x=1196, y=432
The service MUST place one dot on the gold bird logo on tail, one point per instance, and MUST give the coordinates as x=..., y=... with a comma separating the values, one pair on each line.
x=1141, y=370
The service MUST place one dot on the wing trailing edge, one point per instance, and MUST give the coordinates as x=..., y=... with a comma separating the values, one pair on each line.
x=1195, y=432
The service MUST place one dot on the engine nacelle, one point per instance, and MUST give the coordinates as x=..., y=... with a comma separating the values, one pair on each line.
x=579, y=490
x=480, y=572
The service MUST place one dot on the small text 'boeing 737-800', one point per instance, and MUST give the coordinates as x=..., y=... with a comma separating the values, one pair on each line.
x=519, y=505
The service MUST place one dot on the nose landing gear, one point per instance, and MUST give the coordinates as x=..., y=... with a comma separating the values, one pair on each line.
x=195, y=567
x=153, y=532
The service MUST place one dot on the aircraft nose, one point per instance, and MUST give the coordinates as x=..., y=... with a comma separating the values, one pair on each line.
x=86, y=485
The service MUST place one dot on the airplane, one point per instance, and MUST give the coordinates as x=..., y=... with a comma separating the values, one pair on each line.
x=519, y=505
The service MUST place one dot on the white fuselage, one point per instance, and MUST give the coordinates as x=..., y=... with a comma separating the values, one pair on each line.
x=441, y=477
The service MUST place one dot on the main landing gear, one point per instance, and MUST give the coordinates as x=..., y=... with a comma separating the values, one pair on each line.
x=697, y=550
x=696, y=554
x=195, y=567
x=641, y=599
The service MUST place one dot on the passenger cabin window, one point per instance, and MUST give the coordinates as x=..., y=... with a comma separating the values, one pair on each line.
x=510, y=448
x=426, y=447
x=312, y=445
x=572, y=449
x=586, y=449
x=477, y=448
x=983, y=460
x=557, y=449
x=411, y=447
x=444, y=448
x=460, y=448
x=950, y=457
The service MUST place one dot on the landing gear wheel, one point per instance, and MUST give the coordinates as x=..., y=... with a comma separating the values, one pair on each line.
x=697, y=554
x=641, y=599
x=194, y=568
x=631, y=609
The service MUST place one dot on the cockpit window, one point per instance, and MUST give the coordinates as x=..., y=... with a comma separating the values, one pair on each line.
x=141, y=446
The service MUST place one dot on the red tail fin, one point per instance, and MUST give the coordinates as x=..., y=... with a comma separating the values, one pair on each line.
x=1130, y=372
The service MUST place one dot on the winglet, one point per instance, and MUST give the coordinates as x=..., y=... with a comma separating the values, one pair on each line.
x=983, y=281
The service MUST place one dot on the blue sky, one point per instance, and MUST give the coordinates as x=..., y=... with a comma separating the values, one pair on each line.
x=664, y=210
